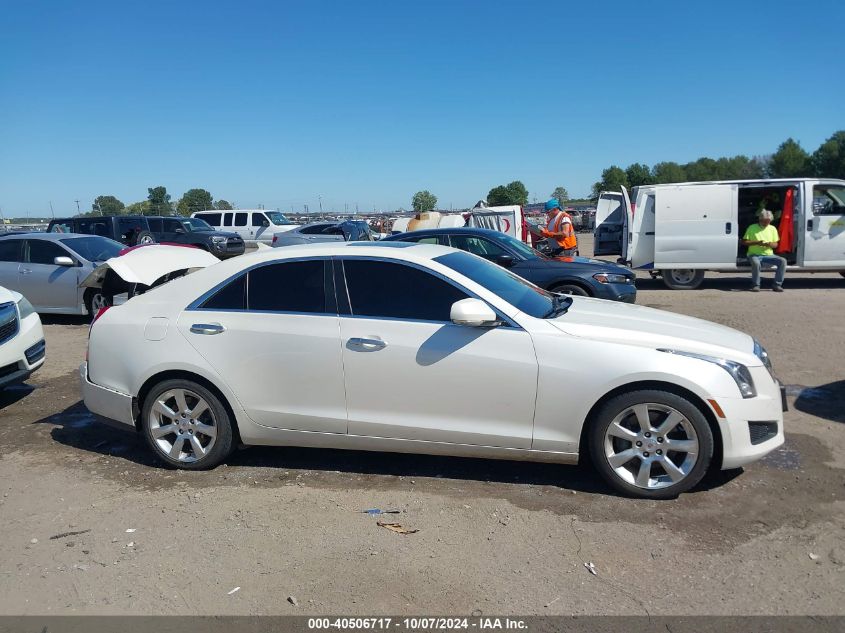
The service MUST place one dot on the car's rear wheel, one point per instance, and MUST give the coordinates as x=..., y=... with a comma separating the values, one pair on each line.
x=144, y=238
x=652, y=444
x=683, y=278
x=186, y=425
x=571, y=289
x=95, y=300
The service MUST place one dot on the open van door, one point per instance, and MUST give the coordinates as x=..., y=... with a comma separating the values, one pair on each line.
x=696, y=227
x=613, y=212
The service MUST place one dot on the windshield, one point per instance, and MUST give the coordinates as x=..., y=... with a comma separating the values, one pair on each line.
x=521, y=247
x=515, y=290
x=94, y=248
x=277, y=218
x=195, y=224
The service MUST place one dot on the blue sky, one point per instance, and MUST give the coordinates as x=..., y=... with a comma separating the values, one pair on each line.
x=276, y=103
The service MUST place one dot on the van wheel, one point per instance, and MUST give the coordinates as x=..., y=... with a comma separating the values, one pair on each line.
x=683, y=278
x=651, y=444
x=95, y=299
x=570, y=289
x=186, y=425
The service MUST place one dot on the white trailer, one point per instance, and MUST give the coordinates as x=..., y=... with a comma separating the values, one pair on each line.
x=681, y=230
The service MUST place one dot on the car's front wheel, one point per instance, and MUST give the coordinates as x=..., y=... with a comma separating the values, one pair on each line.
x=186, y=425
x=651, y=443
x=95, y=300
x=570, y=289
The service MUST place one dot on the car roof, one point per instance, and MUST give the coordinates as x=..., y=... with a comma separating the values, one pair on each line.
x=408, y=250
x=51, y=237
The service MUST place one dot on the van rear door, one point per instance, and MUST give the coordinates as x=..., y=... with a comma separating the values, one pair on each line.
x=696, y=227
x=612, y=221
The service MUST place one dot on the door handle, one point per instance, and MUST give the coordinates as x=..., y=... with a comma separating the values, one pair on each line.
x=727, y=228
x=368, y=343
x=810, y=225
x=207, y=328
x=26, y=271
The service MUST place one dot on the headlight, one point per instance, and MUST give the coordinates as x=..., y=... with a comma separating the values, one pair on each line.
x=25, y=308
x=761, y=353
x=611, y=278
x=218, y=239
x=738, y=371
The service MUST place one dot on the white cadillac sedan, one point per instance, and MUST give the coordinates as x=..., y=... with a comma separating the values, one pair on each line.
x=420, y=348
x=22, y=347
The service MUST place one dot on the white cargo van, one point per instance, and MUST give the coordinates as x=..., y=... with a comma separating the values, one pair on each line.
x=681, y=230
x=256, y=225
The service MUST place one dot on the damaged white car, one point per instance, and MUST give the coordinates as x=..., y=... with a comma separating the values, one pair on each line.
x=420, y=348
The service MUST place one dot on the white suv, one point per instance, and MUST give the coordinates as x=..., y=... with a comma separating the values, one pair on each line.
x=22, y=347
x=253, y=225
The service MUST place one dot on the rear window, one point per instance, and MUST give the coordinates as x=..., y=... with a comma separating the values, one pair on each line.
x=155, y=224
x=232, y=296
x=10, y=250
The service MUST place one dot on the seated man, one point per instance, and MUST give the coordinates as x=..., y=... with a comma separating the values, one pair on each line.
x=761, y=240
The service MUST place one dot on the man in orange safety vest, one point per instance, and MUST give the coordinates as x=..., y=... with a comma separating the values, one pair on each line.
x=560, y=229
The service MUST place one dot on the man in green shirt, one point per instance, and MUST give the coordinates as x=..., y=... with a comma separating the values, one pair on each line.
x=761, y=240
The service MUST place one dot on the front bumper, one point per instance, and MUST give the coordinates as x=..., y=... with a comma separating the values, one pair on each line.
x=24, y=353
x=742, y=429
x=112, y=406
x=626, y=293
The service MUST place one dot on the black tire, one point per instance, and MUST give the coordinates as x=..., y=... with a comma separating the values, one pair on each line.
x=683, y=278
x=571, y=289
x=95, y=299
x=223, y=442
x=600, y=444
x=144, y=237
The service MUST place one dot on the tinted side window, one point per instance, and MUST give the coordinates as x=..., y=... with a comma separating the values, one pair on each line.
x=43, y=252
x=232, y=296
x=171, y=225
x=828, y=200
x=93, y=226
x=212, y=218
x=288, y=287
x=386, y=289
x=240, y=219
x=258, y=219
x=10, y=250
x=227, y=219
x=316, y=229
x=155, y=224
x=431, y=239
x=477, y=246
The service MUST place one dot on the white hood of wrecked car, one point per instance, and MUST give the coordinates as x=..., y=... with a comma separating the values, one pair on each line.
x=146, y=264
x=617, y=322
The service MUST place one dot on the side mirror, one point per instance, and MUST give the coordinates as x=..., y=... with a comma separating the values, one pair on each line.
x=473, y=313
x=265, y=222
x=178, y=231
x=506, y=261
x=63, y=261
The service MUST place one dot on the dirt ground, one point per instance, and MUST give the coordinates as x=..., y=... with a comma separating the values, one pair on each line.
x=90, y=524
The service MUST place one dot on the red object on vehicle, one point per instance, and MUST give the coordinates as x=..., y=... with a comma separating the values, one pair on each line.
x=786, y=231
x=100, y=313
x=274, y=239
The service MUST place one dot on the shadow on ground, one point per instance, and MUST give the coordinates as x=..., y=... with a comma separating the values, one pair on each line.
x=743, y=283
x=76, y=427
x=826, y=401
x=15, y=393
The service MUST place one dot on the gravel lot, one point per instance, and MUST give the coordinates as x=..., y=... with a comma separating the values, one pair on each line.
x=91, y=525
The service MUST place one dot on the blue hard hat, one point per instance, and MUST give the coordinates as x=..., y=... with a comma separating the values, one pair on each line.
x=553, y=203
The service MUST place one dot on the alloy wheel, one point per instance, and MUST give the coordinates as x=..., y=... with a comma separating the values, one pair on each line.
x=98, y=302
x=182, y=425
x=651, y=446
x=682, y=276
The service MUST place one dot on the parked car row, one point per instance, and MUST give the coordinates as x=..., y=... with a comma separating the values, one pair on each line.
x=134, y=230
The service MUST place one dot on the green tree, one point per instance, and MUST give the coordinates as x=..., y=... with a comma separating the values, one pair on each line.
x=702, y=169
x=828, y=160
x=668, y=172
x=790, y=161
x=139, y=208
x=561, y=194
x=512, y=193
x=223, y=205
x=612, y=179
x=107, y=205
x=159, y=201
x=638, y=175
x=194, y=200
x=423, y=201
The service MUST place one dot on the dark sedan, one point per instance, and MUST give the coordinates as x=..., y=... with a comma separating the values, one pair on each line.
x=567, y=275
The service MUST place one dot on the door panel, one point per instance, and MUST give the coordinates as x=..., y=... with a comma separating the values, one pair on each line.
x=45, y=284
x=612, y=221
x=439, y=382
x=10, y=261
x=696, y=226
x=824, y=230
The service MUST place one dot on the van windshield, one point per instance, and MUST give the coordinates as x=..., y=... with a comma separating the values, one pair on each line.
x=277, y=218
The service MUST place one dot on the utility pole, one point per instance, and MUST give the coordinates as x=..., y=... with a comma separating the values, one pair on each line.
x=52, y=213
x=77, y=206
x=320, y=198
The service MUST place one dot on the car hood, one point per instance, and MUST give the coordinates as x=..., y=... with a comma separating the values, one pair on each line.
x=7, y=295
x=599, y=265
x=629, y=324
x=147, y=264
